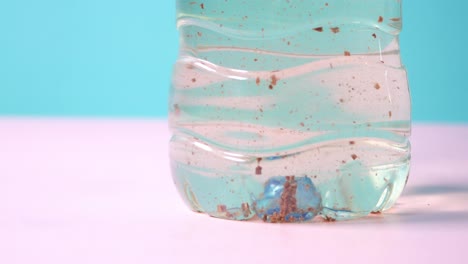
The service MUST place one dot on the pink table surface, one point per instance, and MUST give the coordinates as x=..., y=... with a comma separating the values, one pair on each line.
x=100, y=191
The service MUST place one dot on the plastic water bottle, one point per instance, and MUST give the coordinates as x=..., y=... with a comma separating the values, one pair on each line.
x=288, y=110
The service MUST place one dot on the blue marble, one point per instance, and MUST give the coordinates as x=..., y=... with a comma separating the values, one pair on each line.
x=288, y=199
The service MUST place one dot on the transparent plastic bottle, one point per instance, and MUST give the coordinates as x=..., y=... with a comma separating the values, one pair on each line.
x=285, y=110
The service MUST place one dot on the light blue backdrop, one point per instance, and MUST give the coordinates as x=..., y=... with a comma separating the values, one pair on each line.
x=114, y=57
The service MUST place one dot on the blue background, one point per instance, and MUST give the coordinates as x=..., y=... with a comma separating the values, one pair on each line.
x=114, y=58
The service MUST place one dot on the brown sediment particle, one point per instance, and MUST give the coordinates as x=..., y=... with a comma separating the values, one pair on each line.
x=288, y=197
x=335, y=29
x=258, y=170
x=377, y=86
x=352, y=142
x=245, y=207
x=275, y=218
x=395, y=19
x=380, y=19
x=326, y=4
x=194, y=80
x=319, y=29
x=199, y=34
x=273, y=79
x=202, y=6
x=354, y=156
x=255, y=59
x=347, y=53
x=374, y=35
x=257, y=81
x=221, y=208
x=302, y=124
x=389, y=113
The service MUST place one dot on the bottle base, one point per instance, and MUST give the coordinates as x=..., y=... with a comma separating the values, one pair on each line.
x=292, y=198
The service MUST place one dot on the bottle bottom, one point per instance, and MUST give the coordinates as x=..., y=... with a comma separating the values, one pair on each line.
x=296, y=187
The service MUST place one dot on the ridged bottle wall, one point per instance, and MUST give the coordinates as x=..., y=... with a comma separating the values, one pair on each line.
x=284, y=110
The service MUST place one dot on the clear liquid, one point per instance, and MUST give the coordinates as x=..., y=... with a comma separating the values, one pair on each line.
x=310, y=89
